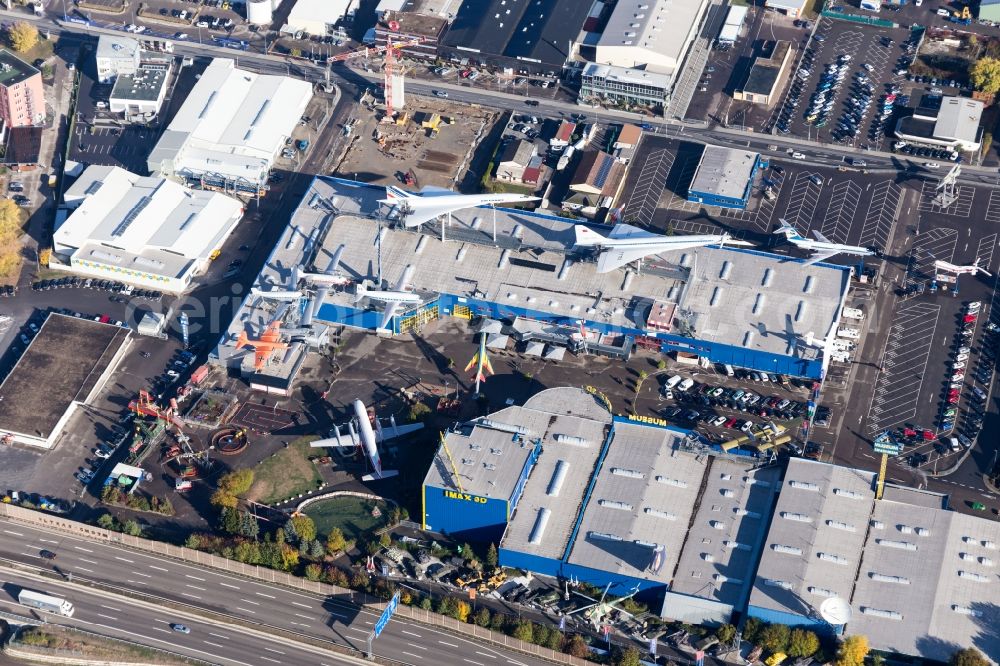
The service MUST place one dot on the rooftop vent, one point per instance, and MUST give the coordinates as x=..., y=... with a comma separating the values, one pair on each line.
x=660, y=514
x=787, y=550
x=882, y=578
x=558, y=476
x=797, y=517
x=677, y=483
x=877, y=612
x=902, y=545
x=631, y=473
x=841, y=492
x=804, y=485
x=615, y=504
x=821, y=591
x=541, y=520
x=835, y=559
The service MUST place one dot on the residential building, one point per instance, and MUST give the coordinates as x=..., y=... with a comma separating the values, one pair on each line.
x=563, y=135
x=515, y=160
x=22, y=98
x=596, y=183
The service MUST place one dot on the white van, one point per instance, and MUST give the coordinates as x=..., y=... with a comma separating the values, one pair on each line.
x=943, y=12
x=729, y=370
x=953, y=444
x=673, y=381
x=685, y=385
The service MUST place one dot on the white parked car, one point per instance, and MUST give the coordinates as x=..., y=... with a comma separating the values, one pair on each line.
x=931, y=165
x=798, y=156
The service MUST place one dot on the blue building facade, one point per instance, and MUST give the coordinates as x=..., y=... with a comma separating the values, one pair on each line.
x=715, y=199
x=716, y=352
x=474, y=517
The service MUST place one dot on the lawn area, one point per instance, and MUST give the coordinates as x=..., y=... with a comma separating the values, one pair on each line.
x=353, y=515
x=285, y=474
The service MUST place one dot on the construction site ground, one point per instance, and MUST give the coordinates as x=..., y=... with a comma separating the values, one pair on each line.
x=384, y=153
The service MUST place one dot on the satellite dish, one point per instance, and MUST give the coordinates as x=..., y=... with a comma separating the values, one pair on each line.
x=835, y=610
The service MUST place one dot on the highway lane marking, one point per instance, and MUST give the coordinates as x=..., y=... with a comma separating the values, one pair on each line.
x=171, y=643
x=151, y=566
x=193, y=596
x=110, y=617
x=410, y=633
x=491, y=656
x=142, y=574
x=250, y=602
x=245, y=610
x=218, y=635
x=85, y=569
x=194, y=577
x=228, y=585
x=361, y=631
x=84, y=559
x=308, y=617
x=369, y=623
x=273, y=650
x=47, y=540
x=516, y=663
x=299, y=624
x=275, y=661
x=194, y=587
x=477, y=663
x=448, y=644
x=86, y=550
x=261, y=594
x=136, y=582
x=410, y=654
x=111, y=608
x=124, y=559
x=296, y=603
x=419, y=647
x=215, y=644
x=14, y=533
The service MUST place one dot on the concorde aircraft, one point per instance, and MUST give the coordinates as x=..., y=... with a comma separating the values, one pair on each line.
x=822, y=247
x=415, y=209
x=626, y=244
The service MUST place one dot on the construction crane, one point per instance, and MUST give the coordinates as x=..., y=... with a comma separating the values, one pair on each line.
x=391, y=50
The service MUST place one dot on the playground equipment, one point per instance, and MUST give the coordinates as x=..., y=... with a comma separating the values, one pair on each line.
x=230, y=441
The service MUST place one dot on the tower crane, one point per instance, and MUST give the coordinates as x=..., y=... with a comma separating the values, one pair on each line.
x=391, y=49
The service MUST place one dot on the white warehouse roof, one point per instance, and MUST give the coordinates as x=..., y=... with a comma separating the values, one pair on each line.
x=317, y=16
x=142, y=229
x=233, y=123
x=959, y=119
x=650, y=34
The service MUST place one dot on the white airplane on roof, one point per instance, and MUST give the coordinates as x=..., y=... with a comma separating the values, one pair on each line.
x=432, y=202
x=392, y=298
x=330, y=276
x=626, y=244
x=972, y=269
x=360, y=433
x=822, y=247
x=276, y=293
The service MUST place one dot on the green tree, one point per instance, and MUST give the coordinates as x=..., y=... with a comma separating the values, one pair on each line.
x=661, y=365
x=132, y=527
x=524, y=631
x=304, y=526
x=107, y=521
x=968, y=657
x=985, y=75
x=418, y=412
x=482, y=618
x=774, y=637
x=802, y=643
x=492, y=558
x=335, y=541
x=555, y=640
x=236, y=482
x=426, y=604
x=289, y=558
x=247, y=552
x=576, y=646
x=22, y=36
x=384, y=540
x=852, y=651
x=726, y=633
x=313, y=572
x=249, y=527
x=629, y=657
x=446, y=606
x=316, y=549
x=229, y=520
x=540, y=634
x=751, y=630
x=224, y=500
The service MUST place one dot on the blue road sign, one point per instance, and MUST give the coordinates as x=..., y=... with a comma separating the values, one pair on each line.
x=386, y=614
x=885, y=443
x=184, y=328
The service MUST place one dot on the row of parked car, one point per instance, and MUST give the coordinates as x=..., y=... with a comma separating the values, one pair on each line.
x=102, y=452
x=692, y=398
x=112, y=286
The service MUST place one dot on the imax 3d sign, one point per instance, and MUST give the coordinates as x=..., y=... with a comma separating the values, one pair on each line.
x=453, y=494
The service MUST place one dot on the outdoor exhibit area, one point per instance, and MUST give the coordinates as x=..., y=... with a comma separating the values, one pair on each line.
x=355, y=516
x=286, y=474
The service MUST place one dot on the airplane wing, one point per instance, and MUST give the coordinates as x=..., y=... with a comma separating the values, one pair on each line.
x=388, y=313
x=621, y=231
x=404, y=280
x=385, y=434
x=613, y=258
x=820, y=237
x=820, y=255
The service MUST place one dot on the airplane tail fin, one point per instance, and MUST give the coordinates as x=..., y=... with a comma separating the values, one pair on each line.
x=586, y=236
x=788, y=230
x=360, y=290
x=392, y=192
x=242, y=339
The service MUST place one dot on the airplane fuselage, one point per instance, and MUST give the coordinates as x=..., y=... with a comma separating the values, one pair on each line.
x=820, y=246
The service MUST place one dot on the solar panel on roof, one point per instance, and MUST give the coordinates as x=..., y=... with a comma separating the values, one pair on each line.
x=602, y=172
x=130, y=217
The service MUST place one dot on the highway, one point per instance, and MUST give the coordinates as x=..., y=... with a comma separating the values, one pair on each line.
x=331, y=619
x=140, y=623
